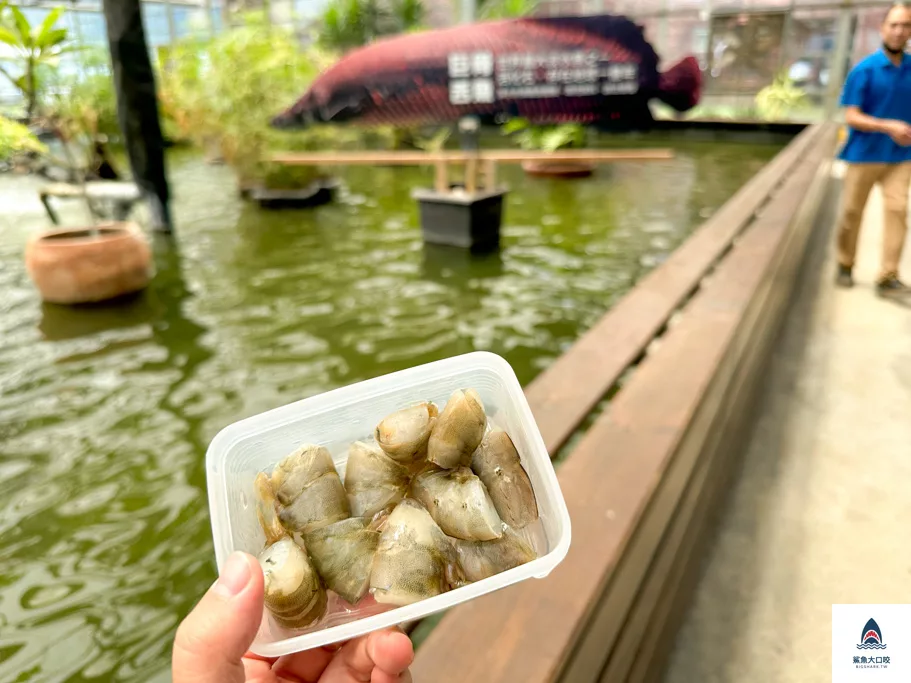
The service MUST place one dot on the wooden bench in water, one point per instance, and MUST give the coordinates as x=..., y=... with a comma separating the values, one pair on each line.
x=486, y=160
x=686, y=347
x=120, y=195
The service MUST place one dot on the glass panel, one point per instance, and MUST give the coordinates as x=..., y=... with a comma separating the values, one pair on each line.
x=215, y=16
x=35, y=15
x=810, y=50
x=92, y=27
x=745, y=52
x=155, y=19
x=866, y=36
x=685, y=35
x=189, y=21
x=309, y=9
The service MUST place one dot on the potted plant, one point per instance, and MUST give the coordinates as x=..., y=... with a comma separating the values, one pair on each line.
x=549, y=138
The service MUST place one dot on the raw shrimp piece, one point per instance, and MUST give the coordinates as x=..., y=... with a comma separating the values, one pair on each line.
x=294, y=593
x=343, y=555
x=458, y=430
x=403, y=434
x=309, y=491
x=414, y=559
x=482, y=559
x=373, y=480
x=496, y=462
x=459, y=503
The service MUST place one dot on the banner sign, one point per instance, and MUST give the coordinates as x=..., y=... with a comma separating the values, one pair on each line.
x=587, y=69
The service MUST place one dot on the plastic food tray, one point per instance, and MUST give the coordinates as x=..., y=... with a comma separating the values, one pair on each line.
x=337, y=418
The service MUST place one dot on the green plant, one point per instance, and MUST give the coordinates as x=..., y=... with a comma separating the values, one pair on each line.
x=222, y=93
x=16, y=140
x=35, y=49
x=545, y=138
x=84, y=104
x=434, y=143
x=347, y=24
x=781, y=98
x=505, y=9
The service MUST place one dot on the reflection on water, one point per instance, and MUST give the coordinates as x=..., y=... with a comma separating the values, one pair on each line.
x=106, y=411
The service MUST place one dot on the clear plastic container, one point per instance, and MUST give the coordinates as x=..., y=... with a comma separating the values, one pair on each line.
x=337, y=418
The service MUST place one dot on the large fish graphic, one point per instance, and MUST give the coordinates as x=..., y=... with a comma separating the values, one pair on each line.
x=585, y=69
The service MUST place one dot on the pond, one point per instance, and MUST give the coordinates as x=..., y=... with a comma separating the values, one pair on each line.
x=106, y=413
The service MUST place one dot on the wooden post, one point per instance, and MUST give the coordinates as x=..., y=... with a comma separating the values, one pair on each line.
x=137, y=106
x=471, y=175
x=490, y=175
x=441, y=183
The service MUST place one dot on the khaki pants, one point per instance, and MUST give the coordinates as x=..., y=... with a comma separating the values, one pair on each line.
x=859, y=180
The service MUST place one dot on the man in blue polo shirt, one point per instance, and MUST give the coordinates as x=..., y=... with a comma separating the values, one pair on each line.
x=877, y=98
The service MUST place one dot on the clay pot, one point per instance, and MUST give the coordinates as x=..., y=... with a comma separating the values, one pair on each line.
x=558, y=169
x=72, y=266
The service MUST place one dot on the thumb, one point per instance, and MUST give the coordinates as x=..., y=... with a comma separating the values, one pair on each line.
x=214, y=637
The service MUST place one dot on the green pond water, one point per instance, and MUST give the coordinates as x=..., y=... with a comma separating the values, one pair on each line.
x=106, y=413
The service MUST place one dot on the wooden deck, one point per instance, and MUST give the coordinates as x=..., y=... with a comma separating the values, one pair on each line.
x=689, y=343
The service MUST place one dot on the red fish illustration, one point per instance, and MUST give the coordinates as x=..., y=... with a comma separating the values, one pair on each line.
x=586, y=69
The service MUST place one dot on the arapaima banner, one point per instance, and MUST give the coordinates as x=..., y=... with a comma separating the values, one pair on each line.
x=597, y=69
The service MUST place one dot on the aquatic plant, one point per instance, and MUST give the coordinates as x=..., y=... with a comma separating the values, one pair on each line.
x=545, y=138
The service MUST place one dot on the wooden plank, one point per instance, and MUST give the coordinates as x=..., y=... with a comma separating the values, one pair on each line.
x=695, y=357
x=526, y=632
x=779, y=238
x=508, y=156
x=656, y=642
x=563, y=395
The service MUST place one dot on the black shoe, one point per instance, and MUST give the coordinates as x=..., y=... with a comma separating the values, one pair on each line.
x=844, y=279
x=892, y=287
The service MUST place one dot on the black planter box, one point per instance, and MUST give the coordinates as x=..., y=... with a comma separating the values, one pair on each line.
x=317, y=194
x=470, y=221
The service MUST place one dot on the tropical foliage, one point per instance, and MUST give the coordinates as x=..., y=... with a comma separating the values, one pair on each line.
x=221, y=94
x=780, y=99
x=347, y=24
x=16, y=140
x=505, y=9
x=544, y=138
x=34, y=49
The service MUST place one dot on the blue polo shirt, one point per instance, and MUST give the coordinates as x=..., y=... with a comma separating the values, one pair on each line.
x=883, y=90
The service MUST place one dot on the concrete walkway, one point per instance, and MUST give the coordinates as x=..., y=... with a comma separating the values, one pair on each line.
x=821, y=511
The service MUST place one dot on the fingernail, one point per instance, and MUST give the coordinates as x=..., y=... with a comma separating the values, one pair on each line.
x=234, y=577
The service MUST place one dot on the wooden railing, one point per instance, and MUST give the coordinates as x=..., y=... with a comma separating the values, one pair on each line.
x=642, y=479
x=480, y=162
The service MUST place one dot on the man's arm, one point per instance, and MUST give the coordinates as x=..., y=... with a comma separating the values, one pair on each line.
x=855, y=118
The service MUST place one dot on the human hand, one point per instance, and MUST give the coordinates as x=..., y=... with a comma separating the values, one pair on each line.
x=899, y=131
x=212, y=641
